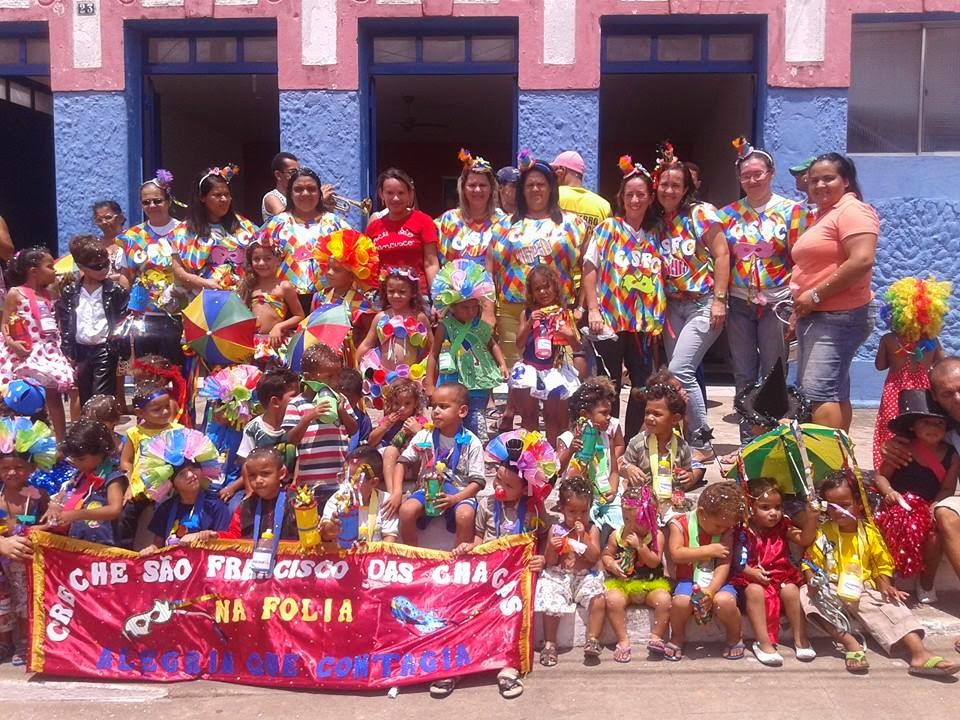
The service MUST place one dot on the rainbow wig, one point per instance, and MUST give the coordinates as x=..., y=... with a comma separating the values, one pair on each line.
x=915, y=308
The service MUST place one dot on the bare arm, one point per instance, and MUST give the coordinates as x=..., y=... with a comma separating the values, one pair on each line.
x=882, y=361
x=717, y=243
x=6, y=242
x=370, y=341
x=187, y=279
x=948, y=487
x=861, y=252
x=431, y=263
x=432, y=376
x=650, y=558
x=293, y=307
x=274, y=205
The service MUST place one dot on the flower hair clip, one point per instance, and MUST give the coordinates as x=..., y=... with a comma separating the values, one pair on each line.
x=745, y=149
x=401, y=272
x=476, y=164
x=525, y=160
x=630, y=168
x=227, y=172
x=665, y=159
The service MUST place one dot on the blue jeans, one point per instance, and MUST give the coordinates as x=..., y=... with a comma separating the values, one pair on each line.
x=476, y=420
x=687, y=338
x=755, y=336
x=827, y=342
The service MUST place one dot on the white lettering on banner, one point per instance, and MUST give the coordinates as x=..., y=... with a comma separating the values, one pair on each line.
x=463, y=574
x=318, y=32
x=390, y=571
x=165, y=570
x=61, y=613
x=100, y=573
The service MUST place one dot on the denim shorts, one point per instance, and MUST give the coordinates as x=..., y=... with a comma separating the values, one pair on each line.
x=450, y=515
x=826, y=345
x=685, y=587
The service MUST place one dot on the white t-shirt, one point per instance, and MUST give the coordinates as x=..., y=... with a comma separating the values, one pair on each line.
x=469, y=469
x=383, y=526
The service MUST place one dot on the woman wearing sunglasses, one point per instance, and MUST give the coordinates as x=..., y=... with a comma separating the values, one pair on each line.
x=109, y=219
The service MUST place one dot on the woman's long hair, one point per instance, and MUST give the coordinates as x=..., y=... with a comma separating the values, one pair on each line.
x=197, y=221
x=553, y=204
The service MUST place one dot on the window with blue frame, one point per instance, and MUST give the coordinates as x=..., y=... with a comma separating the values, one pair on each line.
x=676, y=49
x=904, y=87
x=24, y=72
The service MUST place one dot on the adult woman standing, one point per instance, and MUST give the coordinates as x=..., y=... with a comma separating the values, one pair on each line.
x=623, y=286
x=467, y=230
x=296, y=232
x=760, y=230
x=405, y=237
x=210, y=243
x=509, y=180
x=833, y=268
x=697, y=264
x=540, y=233
x=147, y=264
x=109, y=218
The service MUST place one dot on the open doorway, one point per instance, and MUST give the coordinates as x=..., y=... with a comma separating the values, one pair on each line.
x=28, y=202
x=422, y=121
x=201, y=121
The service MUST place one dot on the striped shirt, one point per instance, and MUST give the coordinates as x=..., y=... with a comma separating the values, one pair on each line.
x=322, y=453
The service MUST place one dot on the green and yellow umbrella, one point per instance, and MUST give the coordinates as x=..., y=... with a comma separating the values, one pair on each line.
x=219, y=328
x=785, y=453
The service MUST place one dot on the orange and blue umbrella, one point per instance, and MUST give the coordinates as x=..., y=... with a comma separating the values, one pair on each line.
x=219, y=328
x=328, y=325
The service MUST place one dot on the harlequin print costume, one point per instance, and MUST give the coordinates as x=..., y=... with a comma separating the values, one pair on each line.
x=219, y=256
x=35, y=325
x=915, y=310
x=296, y=241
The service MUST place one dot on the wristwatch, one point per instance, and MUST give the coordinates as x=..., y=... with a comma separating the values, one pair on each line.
x=815, y=296
x=721, y=296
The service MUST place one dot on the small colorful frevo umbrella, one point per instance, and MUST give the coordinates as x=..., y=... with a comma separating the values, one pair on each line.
x=219, y=328
x=327, y=325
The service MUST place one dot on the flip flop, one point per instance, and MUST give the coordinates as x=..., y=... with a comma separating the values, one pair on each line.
x=655, y=646
x=511, y=686
x=442, y=688
x=931, y=668
x=673, y=653
x=622, y=654
x=735, y=651
x=855, y=662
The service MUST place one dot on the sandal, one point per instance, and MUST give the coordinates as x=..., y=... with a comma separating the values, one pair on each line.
x=673, y=653
x=511, y=686
x=656, y=647
x=856, y=661
x=734, y=651
x=548, y=656
x=931, y=668
x=440, y=689
x=591, y=648
x=622, y=654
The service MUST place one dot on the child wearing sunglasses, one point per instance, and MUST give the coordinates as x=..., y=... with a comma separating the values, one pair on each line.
x=90, y=310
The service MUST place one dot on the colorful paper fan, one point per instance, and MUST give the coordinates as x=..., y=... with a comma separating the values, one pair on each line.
x=327, y=325
x=233, y=390
x=376, y=378
x=18, y=435
x=161, y=457
x=537, y=461
x=461, y=280
x=219, y=328
x=354, y=251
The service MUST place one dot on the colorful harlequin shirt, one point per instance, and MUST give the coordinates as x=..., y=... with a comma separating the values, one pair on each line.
x=529, y=243
x=148, y=254
x=687, y=259
x=760, y=243
x=203, y=255
x=630, y=287
x=295, y=241
x=462, y=239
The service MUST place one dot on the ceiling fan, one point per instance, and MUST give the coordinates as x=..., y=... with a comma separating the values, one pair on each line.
x=410, y=122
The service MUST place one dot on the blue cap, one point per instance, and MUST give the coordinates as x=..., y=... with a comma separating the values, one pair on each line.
x=25, y=397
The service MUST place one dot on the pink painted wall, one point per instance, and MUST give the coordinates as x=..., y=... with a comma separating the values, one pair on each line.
x=584, y=73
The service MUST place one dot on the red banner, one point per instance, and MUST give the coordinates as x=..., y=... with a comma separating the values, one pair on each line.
x=380, y=616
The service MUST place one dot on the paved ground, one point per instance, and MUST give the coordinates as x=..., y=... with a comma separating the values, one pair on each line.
x=703, y=686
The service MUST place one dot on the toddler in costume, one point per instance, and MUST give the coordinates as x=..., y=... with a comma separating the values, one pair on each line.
x=770, y=580
x=852, y=565
x=24, y=446
x=464, y=350
x=570, y=573
x=633, y=562
x=404, y=403
x=915, y=309
x=913, y=492
x=272, y=300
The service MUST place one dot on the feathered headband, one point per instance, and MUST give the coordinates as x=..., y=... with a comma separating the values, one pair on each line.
x=665, y=159
x=32, y=440
x=232, y=388
x=352, y=250
x=163, y=179
x=461, y=280
x=227, y=173
x=526, y=162
x=530, y=455
x=163, y=456
x=915, y=308
x=630, y=168
x=745, y=149
x=474, y=164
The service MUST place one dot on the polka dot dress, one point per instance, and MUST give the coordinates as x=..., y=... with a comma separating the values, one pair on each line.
x=46, y=363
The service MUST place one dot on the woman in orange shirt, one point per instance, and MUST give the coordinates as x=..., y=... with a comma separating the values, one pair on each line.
x=833, y=304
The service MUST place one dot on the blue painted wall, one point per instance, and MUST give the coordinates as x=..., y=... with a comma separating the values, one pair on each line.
x=90, y=145
x=551, y=121
x=917, y=197
x=323, y=129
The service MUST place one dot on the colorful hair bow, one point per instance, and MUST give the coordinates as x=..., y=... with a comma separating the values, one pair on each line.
x=665, y=159
x=646, y=508
x=33, y=440
x=475, y=164
x=233, y=389
x=629, y=168
x=530, y=455
x=163, y=456
x=227, y=172
x=525, y=160
x=401, y=272
x=461, y=280
x=745, y=149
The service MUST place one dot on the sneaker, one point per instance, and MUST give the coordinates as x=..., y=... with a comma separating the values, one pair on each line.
x=925, y=596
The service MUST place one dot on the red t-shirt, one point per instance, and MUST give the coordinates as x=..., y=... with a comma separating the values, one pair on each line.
x=400, y=244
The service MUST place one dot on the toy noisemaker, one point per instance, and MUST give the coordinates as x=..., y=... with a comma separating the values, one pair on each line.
x=308, y=521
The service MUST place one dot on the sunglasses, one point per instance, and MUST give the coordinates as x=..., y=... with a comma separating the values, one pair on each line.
x=153, y=202
x=98, y=267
